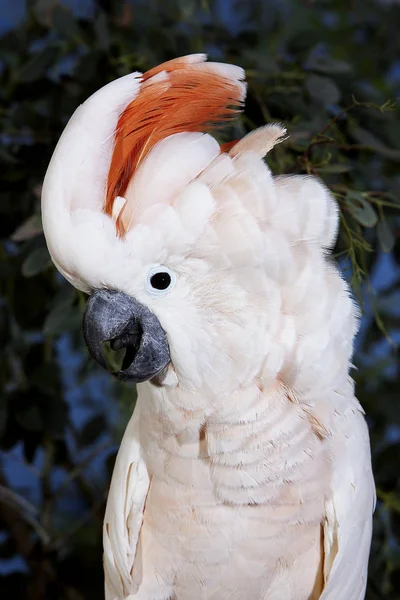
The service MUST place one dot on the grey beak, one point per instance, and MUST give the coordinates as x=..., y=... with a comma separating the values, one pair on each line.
x=124, y=322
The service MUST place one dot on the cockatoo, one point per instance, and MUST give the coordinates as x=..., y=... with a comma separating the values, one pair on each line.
x=245, y=470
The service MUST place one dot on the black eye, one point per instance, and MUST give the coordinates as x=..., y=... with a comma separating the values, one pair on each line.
x=160, y=281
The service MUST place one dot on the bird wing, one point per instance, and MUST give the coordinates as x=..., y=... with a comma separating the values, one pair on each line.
x=124, y=511
x=348, y=523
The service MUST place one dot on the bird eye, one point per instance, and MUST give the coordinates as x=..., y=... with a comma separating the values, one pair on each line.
x=160, y=280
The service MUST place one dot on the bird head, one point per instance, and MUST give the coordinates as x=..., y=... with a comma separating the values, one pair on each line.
x=196, y=259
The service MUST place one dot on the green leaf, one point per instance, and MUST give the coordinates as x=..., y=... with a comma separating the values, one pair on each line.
x=322, y=89
x=361, y=209
x=335, y=169
x=392, y=130
x=385, y=236
x=63, y=317
x=37, y=66
x=330, y=66
x=389, y=303
x=260, y=59
x=102, y=31
x=187, y=9
x=43, y=11
x=28, y=230
x=39, y=260
x=46, y=378
x=393, y=197
x=3, y=417
x=7, y=157
x=30, y=418
x=87, y=67
x=92, y=430
x=366, y=138
x=63, y=22
x=55, y=416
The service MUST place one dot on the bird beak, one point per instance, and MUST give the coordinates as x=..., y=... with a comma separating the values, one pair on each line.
x=117, y=318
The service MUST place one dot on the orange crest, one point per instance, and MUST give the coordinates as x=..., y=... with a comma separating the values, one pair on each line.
x=181, y=95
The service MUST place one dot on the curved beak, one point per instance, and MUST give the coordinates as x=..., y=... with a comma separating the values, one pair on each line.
x=117, y=318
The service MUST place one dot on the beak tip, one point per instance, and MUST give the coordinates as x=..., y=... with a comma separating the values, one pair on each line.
x=110, y=315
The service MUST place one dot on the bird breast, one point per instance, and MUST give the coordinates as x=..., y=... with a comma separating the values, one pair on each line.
x=245, y=487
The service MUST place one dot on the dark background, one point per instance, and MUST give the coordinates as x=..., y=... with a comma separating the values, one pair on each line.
x=330, y=70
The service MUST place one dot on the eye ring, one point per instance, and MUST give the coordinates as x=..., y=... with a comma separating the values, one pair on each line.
x=160, y=280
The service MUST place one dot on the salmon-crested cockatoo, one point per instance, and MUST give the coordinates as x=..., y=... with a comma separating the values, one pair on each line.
x=245, y=470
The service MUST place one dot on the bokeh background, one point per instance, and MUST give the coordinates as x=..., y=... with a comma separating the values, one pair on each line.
x=329, y=70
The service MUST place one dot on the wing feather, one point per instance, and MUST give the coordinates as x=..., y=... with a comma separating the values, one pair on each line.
x=348, y=525
x=124, y=512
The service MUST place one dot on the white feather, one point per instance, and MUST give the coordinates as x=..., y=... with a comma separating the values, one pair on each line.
x=124, y=511
x=260, y=141
x=248, y=474
x=192, y=152
x=77, y=173
x=348, y=523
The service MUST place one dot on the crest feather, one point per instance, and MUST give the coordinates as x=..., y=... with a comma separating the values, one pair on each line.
x=260, y=141
x=181, y=95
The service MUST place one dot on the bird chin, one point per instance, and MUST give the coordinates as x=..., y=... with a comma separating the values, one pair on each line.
x=166, y=378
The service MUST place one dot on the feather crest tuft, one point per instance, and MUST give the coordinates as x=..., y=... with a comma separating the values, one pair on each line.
x=182, y=95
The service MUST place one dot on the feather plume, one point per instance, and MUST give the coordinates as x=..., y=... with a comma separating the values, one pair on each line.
x=260, y=141
x=182, y=95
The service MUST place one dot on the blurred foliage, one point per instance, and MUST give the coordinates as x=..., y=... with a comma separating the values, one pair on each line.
x=330, y=71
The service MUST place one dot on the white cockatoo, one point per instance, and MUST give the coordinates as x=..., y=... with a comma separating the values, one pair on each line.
x=245, y=470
